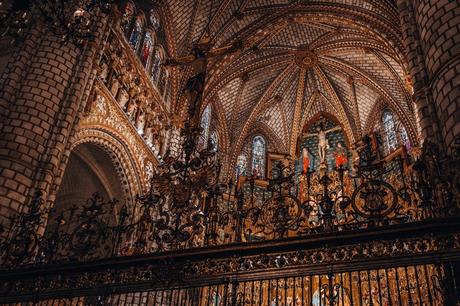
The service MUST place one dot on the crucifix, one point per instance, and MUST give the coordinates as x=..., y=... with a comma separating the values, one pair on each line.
x=323, y=144
x=198, y=60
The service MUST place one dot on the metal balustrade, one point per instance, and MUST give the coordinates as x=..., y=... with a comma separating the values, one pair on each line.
x=405, y=285
x=379, y=194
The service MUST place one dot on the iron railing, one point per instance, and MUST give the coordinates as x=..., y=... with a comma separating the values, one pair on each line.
x=377, y=194
x=412, y=284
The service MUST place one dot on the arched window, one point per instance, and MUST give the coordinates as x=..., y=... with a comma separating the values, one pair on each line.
x=214, y=141
x=156, y=66
x=205, y=123
x=241, y=165
x=127, y=18
x=135, y=37
x=163, y=80
x=258, y=156
x=404, y=137
x=147, y=48
x=389, y=129
x=155, y=19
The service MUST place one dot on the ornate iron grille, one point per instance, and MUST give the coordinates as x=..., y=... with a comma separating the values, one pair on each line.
x=172, y=216
x=404, y=285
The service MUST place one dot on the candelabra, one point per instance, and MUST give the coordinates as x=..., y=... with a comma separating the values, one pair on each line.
x=181, y=193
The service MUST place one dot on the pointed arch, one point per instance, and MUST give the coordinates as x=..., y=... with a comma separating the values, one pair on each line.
x=259, y=156
x=314, y=119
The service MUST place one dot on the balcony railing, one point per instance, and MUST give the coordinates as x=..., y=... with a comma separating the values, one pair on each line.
x=379, y=194
x=386, y=233
x=404, y=285
x=409, y=264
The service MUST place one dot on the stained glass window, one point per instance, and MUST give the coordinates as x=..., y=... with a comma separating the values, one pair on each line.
x=241, y=164
x=147, y=48
x=134, y=39
x=389, y=129
x=214, y=141
x=205, y=122
x=404, y=138
x=155, y=19
x=156, y=66
x=258, y=156
x=127, y=16
x=162, y=81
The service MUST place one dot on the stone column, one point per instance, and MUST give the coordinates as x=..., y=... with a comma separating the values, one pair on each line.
x=43, y=92
x=431, y=32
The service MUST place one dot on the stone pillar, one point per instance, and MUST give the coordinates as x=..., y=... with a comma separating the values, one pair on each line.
x=431, y=32
x=43, y=91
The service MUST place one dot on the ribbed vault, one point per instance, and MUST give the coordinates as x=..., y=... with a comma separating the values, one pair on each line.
x=299, y=58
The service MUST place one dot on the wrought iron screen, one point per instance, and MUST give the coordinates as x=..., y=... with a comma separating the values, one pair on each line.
x=405, y=285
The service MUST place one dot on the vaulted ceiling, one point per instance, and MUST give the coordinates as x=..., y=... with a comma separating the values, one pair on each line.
x=299, y=58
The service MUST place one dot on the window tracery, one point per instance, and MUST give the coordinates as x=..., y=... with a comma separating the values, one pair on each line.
x=404, y=138
x=214, y=141
x=127, y=17
x=141, y=31
x=134, y=38
x=258, y=156
x=389, y=129
x=205, y=124
x=241, y=165
x=156, y=66
x=155, y=19
x=147, y=49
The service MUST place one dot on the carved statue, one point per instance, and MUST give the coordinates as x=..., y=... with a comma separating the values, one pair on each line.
x=148, y=135
x=323, y=144
x=148, y=130
x=114, y=86
x=305, y=161
x=198, y=60
x=103, y=71
x=156, y=140
x=123, y=98
x=134, y=91
x=340, y=155
x=131, y=111
x=140, y=123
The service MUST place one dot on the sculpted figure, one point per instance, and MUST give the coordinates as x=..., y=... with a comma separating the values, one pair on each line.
x=323, y=144
x=131, y=111
x=114, y=87
x=198, y=60
x=104, y=70
x=140, y=123
x=123, y=98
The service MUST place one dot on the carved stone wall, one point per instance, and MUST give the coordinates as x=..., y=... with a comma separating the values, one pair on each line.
x=50, y=103
x=439, y=22
x=432, y=38
x=107, y=124
x=44, y=90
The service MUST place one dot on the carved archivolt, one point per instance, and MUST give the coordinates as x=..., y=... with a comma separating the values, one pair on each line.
x=127, y=172
x=106, y=124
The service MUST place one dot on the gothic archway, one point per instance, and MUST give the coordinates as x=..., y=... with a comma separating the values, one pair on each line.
x=90, y=169
x=84, y=215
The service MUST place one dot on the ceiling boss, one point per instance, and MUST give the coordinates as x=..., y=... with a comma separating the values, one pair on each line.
x=306, y=58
